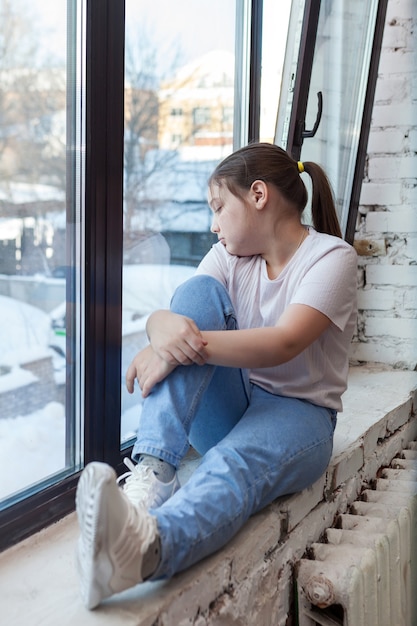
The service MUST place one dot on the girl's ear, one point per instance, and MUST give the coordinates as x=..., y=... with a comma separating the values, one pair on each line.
x=259, y=193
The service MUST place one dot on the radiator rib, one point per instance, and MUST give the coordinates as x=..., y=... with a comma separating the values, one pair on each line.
x=362, y=573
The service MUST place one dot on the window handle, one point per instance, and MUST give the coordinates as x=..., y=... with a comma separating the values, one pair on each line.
x=310, y=133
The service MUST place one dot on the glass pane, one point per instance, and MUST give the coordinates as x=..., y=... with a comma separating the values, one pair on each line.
x=286, y=94
x=40, y=98
x=179, y=123
x=340, y=72
x=275, y=23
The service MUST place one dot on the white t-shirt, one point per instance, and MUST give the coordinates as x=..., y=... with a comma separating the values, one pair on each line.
x=321, y=274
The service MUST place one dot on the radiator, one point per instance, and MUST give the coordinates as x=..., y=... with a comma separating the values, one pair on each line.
x=363, y=572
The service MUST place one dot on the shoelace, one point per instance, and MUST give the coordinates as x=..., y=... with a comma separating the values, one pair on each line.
x=138, y=481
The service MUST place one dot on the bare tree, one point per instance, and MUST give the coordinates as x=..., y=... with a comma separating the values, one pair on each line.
x=147, y=167
x=142, y=156
x=32, y=104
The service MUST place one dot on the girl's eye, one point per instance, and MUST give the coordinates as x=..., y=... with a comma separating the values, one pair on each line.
x=218, y=209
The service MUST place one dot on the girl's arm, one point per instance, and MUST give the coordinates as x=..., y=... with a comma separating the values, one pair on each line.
x=295, y=330
x=177, y=339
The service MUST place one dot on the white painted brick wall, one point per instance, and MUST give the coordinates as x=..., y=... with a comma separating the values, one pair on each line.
x=378, y=299
x=413, y=140
x=377, y=194
x=396, y=275
x=387, y=297
x=402, y=220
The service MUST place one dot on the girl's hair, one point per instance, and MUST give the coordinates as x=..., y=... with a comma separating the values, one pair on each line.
x=271, y=164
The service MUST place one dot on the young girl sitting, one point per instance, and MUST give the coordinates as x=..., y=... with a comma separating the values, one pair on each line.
x=248, y=366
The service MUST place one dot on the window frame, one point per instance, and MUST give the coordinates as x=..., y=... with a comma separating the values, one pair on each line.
x=105, y=39
x=301, y=92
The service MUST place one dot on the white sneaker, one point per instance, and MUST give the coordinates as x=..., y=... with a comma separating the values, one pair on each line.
x=115, y=535
x=142, y=487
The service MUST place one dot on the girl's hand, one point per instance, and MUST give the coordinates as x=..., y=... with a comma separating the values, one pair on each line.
x=176, y=338
x=149, y=369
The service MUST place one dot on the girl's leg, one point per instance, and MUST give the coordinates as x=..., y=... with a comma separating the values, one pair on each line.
x=194, y=403
x=280, y=446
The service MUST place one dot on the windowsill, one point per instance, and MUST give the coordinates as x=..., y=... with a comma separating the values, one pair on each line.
x=38, y=577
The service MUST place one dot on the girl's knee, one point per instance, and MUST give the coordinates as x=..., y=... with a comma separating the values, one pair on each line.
x=200, y=284
x=206, y=301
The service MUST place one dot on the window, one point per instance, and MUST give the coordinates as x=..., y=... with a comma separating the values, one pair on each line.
x=333, y=85
x=41, y=235
x=201, y=116
x=103, y=205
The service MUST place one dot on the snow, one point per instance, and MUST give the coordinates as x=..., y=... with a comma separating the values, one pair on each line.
x=32, y=446
x=149, y=287
x=15, y=378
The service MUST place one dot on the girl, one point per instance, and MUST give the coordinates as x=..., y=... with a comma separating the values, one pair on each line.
x=248, y=366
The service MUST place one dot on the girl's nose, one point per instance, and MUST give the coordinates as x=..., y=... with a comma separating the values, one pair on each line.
x=214, y=228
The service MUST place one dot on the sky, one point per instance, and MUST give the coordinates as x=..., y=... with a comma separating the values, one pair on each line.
x=195, y=26
x=179, y=31
x=192, y=26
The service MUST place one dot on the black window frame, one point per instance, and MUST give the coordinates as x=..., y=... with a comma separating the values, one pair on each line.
x=301, y=88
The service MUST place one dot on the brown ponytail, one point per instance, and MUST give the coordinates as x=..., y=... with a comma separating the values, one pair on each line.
x=268, y=162
x=323, y=209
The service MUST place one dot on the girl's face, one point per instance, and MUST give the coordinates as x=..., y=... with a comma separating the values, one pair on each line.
x=234, y=221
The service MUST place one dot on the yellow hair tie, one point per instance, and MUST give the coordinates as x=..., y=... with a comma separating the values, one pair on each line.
x=300, y=167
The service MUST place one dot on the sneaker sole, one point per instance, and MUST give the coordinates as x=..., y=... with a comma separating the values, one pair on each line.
x=94, y=566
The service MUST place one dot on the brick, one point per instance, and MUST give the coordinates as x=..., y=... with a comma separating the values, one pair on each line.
x=391, y=89
x=403, y=328
x=376, y=299
x=396, y=353
x=410, y=249
x=394, y=36
x=370, y=247
x=414, y=90
x=410, y=299
x=386, y=141
x=394, y=62
x=384, y=194
x=400, y=10
x=399, y=416
x=403, y=166
x=402, y=221
x=395, y=115
x=398, y=275
x=409, y=193
x=262, y=534
x=347, y=464
x=298, y=506
x=375, y=432
x=413, y=140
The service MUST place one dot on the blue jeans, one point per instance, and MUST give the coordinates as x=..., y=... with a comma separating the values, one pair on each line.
x=256, y=446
